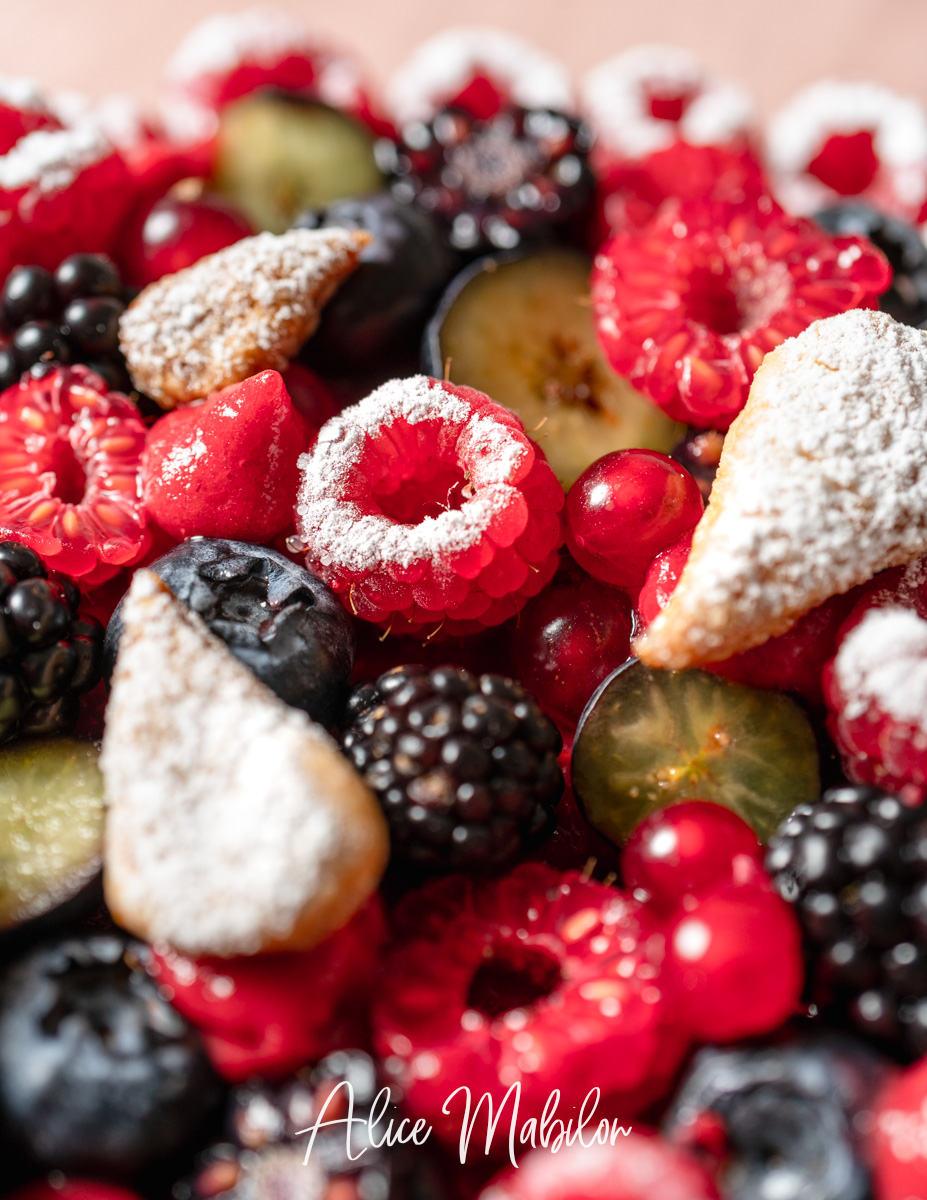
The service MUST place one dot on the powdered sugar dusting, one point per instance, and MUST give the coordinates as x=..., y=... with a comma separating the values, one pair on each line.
x=442, y=67
x=50, y=160
x=224, y=817
x=616, y=100
x=883, y=661
x=23, y=94
x=222, y=42
x=339, y=530
x=822, y=483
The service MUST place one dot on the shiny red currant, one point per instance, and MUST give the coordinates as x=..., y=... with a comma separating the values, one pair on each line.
x=625, y=509
x=176, y=233
x=662, y=577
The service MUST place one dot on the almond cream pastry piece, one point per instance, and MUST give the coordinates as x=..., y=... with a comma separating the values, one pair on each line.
x=234, y=824
x=822, y=483
x=245, y=309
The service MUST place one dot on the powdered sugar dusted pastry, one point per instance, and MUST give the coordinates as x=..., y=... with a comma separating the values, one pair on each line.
x=822, y=483
x=242, y=310
x=234, y=824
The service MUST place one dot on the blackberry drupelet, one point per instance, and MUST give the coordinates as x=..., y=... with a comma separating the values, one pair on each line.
x=465, y=767
x=518, y=176
x=854, y=865
x=49, y=653
x=71, y=316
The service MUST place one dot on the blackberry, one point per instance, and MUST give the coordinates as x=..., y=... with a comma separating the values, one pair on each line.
x=49, y=653
x=517, y=176
x=906, y=299
x=465, y=767
x=71, y=316
x=854, y=865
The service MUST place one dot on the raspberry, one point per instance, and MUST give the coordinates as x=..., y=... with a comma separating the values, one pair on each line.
x=899, y=1140
x=854, y=866
x=638, y=1167
x=273, y=1013
x=543, y=979
x=496, y=182
x=465, y=767
x=22, y=111
x=69, y=466
x=71, y=1189
x=227, y=468
x=425, y=507
x=687, y=307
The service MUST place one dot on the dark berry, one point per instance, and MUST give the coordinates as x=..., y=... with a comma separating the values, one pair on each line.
x=39, y=341
x=92, y=324
x=464, y=766
x=23, y=562
x=9, y=369
x=785, y=1121
x=123, y=1079
x=28, y=294
x=851, y=864
x=276, y=617
x=38, y=611
x=517, y=176
x=83, y=275
x=700, y=453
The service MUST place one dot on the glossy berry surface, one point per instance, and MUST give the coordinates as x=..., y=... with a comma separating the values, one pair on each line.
x=465, y=767
x=688, y=848
x=71, y=1189
x=125, y=1079
x=625, y=509
x=568, y=640
x=899, y=1149
x=175, y=233
x=277, y=618
x=516, y=176
x=784, y=1121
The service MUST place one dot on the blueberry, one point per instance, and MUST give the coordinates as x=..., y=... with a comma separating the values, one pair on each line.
x=793, y=1116
x=97, y=1071
x=277, y=618
x=382, y=309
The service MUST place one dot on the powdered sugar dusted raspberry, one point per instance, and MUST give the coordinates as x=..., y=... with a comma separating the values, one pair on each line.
x=443, y=66
x=217, y=846
x=618, y=96
x=412, y=500
x=23, y=94
x=898, y=125
x=823, y=483
x=883, y=661
x=51, y=160
x=244, y=309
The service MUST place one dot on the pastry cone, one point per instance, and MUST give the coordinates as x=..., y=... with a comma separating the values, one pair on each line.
x=822, y=483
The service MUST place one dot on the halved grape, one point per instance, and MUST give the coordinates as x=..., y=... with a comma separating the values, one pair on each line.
x=51, y=825
x=650, y=738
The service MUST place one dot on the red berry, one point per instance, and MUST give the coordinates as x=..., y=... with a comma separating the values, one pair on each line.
x=176, y=233
x=70, y=1189
x=899, y=1142
x=687, y=307
x=687, y=848
x=22, y=111
x=662, y=577
x=227, y=468
x=734, y=961
x=567, y=641
x=69, y=473
x=270, y=1014
x=311, y=396
x=426, y=506
x=625, y=509
x=635, y=1167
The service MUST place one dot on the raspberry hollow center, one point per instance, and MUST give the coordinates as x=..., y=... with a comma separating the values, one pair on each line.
x=515, y=976
x=438, y=486
x=733, y=300
x=668, y=105
x=70, y=478
x=847, y=163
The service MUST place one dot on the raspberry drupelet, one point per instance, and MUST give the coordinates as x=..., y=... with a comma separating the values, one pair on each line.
x=427, y=508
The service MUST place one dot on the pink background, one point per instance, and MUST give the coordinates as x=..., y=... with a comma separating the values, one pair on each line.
x=774, y=46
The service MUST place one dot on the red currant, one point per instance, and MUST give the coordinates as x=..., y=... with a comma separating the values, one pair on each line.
x=176, y=233
x=662, y=577
x=687, y=848
x=568, y=640
x=310, y=394
x=733, y=958
x=625, y=509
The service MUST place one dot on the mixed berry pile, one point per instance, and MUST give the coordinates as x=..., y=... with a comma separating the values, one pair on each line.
x=463, y=625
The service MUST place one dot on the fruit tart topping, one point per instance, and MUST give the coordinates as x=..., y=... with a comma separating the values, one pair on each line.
x=838, y=139
x=69, y=464
x=51, y=827
x=201, y=805
x=276, y=617
x=493, y=183
x=245, y=309
x=175, y=233
x=519, y=328
x=822, y=484
x=426, y=507
x=465, y=767
x=479, y=70
x=651, y=738
x=899, y=1139
x=687, y=306
x=23, y=110
x=124, y=1078
x=854, y=865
